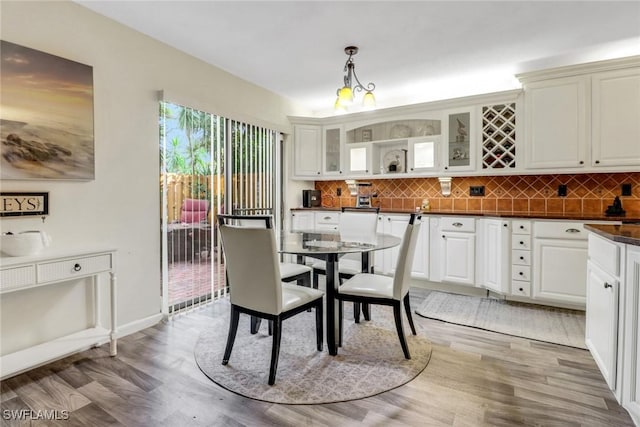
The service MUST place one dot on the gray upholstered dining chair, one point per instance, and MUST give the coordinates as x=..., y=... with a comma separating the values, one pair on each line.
x=385, y=290
x=289, y=271
x=255, y=286
x=356, y=225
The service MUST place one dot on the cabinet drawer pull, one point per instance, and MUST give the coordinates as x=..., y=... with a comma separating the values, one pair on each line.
x=521, y=242
x=505, y=225
x=521, y=273
x=522, y=227
x=457, y=224
x=327, y=217
x=77, y=267
x=444, y=237
x=607, y=285
x=571, y=230
x=521, y=289
x=522, y=258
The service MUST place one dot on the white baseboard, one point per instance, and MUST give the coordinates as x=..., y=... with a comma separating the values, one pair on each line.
x=138, y=325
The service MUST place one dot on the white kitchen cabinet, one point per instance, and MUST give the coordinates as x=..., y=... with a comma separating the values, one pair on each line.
x=435, y=254
x=458, y=243
x=327, y=221
x=521, y=258
x=615, y=118
x=395, y=225
x=359, y=159
x=613, y=315
x=302, y=220
x=332, y=149
x=460, y=140
x=556, y=117
x=385, y=260
x=307, y=146
x=422, y=154
x=559, y=260
x=631, y=359
x=420, y=265
x=602, y=320
x=493, y=259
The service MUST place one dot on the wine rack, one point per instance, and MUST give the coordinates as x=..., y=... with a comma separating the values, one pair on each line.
x=499, y=136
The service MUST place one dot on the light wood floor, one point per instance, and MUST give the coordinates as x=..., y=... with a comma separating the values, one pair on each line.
x=475, y=378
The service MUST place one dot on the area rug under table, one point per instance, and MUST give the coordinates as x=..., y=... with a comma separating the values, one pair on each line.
x=369, y=362
x=542, y=323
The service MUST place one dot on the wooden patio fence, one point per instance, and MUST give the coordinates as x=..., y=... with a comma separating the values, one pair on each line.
x=180, y=187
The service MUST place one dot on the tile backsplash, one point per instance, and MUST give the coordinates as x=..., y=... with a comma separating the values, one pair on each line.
x=585, y=193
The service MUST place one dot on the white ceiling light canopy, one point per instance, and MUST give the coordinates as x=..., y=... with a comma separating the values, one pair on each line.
x=352, y=84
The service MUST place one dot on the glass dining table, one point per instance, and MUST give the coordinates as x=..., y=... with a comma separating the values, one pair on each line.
x=329, y=246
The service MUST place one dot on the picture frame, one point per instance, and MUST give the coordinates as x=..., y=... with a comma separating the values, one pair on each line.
x=367, y=135
x=46, y=116
x=24, y=204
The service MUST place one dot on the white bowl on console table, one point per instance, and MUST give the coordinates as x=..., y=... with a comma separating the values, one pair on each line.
x=24, y=243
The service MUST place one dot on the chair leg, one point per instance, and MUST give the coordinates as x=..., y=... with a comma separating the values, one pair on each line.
x=397, y=315
x=275, y=349
x=270, y=327
x=315, y=279
x=306, y=281
x=233, y=329
x=366, y=310
x=407, y=309
x=255, y=324
x=319, y=325
x=356, y=311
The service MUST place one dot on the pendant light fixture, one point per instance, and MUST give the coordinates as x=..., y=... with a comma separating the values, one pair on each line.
x=352, y=84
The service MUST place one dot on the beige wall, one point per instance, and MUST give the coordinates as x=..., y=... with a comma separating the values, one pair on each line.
x=114, y=210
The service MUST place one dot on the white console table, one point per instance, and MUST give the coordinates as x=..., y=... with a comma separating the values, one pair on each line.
x=49, y=269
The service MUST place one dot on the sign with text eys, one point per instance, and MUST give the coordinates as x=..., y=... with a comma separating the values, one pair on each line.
x=23, y=204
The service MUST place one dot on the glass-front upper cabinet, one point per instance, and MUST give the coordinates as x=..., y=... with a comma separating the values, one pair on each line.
x=460, y=138
x=359, y=158
x=332, y=150
x=422, y=156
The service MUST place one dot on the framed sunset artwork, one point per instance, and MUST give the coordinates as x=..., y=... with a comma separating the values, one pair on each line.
x=46, y=116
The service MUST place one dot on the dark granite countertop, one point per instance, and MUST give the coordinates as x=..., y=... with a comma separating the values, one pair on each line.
x=528, y=215
x=625, y=233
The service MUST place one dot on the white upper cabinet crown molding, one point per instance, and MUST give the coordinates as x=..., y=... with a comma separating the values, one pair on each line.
x=579, y=69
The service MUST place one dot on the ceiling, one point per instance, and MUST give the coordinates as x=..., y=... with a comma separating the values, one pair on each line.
x=414, y=51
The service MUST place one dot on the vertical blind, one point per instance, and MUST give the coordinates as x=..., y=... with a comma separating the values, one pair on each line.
x=219, y=165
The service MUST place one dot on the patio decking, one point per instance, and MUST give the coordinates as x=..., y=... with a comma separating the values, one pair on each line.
x=190, y=280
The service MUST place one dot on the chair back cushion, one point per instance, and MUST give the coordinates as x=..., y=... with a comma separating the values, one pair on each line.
x=358, y=227
x=194, y=210
x=251, y=262
x=402, y=278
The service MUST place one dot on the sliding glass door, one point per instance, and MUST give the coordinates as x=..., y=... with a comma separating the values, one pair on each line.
x=209, y=165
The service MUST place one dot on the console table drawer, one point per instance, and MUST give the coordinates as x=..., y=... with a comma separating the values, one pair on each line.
x=18, y=277
x=77, y=267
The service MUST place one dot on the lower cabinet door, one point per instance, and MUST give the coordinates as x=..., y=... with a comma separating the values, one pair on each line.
x=602, y=321
x=560, y=270
x=458, y=263
x=631, y=362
